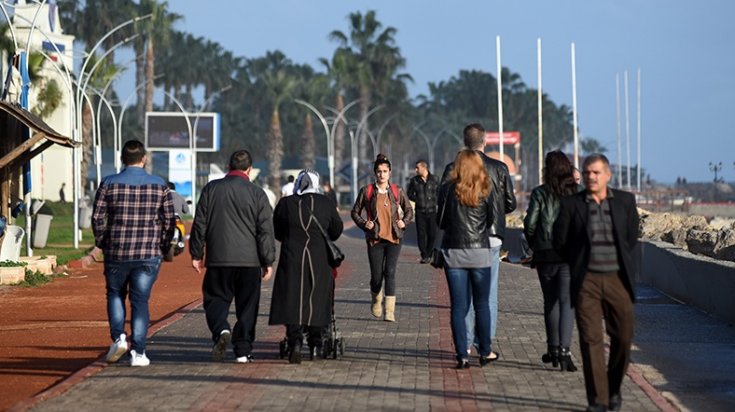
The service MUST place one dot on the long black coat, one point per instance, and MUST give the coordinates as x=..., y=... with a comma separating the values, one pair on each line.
x=571, y=236
x=302, y=291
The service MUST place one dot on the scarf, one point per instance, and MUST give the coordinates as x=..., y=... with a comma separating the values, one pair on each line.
x=306, y=182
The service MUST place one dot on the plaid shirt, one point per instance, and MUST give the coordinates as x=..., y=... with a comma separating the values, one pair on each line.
x=133, y=216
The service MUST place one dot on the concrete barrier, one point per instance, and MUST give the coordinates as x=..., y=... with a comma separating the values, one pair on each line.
x=700, y=281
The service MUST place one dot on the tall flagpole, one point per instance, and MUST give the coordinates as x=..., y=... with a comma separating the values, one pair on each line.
x=638, y=118
x=500, y=97
x=574, y=107
x=617, y=116
x=540, y=115
x=627, y=130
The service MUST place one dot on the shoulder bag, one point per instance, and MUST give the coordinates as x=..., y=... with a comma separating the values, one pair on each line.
x=334, y=254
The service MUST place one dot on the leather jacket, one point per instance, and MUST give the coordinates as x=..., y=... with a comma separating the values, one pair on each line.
x=464, y=227
x=423, y=193
x=538, y=225
x=361, y=203
x=501, y=192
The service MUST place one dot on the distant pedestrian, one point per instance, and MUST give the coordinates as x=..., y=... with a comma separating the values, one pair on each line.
x=596, y=233
x=233, y=229
x=181, y=207
x=504, y=202
x=465, y=215
x=287, y=189
x=271, y=196
x=302, y=292
x=422, y=191
x=553, y=271
x=62, y=194
x=330, y=193
x=133, y=222
x=577, y=175
x=388, y=212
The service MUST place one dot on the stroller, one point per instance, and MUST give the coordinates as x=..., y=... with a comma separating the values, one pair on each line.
x=333, y=344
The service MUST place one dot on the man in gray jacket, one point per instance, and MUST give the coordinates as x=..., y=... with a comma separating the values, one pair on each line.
x=234, y=222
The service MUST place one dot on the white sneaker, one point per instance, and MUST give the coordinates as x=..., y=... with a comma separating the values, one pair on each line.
x=244, y=359
x=117, y=349
x=220, y=347
x=138, y=359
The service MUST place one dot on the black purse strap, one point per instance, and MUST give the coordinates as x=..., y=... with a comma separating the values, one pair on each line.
x=318, y=225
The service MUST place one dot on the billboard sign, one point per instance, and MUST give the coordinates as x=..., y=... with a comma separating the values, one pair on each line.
x=166, y=131
x=493, y=138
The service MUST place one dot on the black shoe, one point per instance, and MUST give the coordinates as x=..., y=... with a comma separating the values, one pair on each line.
x=596, y=408
x=551, y=356
x=425, y=260
x=565, y=361
x=492, y=357
x=615, y=403
x=463, y=364
x=294, y=354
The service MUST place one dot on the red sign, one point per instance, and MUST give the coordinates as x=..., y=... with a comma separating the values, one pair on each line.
x=493, y=138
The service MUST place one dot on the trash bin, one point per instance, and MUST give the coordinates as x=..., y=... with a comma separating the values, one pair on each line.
x=40, y=232
x=10, y=248
x=85, y=216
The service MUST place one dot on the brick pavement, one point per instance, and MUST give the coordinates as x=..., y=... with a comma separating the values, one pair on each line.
x=407, y=365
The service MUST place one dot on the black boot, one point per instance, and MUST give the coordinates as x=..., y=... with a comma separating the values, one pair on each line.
x=294, y=354
x=565, y=361
x=551, y=356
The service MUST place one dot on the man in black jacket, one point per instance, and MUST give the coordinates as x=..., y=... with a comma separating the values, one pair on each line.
x=422, y=190
x=596, y=233
x=234, y=221
x=504, y=201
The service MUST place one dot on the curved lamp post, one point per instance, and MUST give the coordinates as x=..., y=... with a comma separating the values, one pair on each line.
x=330, y=143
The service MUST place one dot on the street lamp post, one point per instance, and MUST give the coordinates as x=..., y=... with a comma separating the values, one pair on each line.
x=77, y=134
x=330, y=143
x=118, y=143
x=193, y=140
x=192, y=146
x=716, y=168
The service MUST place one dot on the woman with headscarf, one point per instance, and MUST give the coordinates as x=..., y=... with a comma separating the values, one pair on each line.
x=302, y=291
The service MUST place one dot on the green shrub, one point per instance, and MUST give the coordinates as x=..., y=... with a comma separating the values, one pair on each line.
x=36, y=278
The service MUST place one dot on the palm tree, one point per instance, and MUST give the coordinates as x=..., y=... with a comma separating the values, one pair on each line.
x=373, y=56
x=157, y=31
x=313, y=88
x=279, y=82
x=340, y=73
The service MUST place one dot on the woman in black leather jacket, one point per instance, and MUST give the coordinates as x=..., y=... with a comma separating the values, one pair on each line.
x=553, y=273
x=465, y=215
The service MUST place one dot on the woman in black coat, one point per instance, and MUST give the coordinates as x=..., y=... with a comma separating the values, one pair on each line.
x=302, y=291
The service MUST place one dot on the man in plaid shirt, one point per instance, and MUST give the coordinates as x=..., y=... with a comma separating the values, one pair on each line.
x=133, y=222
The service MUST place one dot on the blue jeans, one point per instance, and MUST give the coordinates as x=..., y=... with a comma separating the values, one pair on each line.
x=492, y=301
x=466, y=285
x=137, y=277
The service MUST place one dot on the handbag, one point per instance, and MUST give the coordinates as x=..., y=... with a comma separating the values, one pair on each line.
x=334, y=253
x=437, y=256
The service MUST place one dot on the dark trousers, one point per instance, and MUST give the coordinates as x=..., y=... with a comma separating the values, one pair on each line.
x=383, y=258
x=604, y=296
x=295, y=335
x=220, y=285
x=558, y=311
x=425, y=232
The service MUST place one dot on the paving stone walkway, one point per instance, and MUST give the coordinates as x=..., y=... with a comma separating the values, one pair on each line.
x=407, y=365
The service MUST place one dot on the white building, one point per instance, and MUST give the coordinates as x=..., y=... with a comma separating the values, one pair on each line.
x=54, y=167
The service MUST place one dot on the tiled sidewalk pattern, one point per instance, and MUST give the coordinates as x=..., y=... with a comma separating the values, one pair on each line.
x=407, y=365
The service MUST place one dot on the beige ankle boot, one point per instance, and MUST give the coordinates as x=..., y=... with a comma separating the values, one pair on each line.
x=390, y=308
x=377, y=306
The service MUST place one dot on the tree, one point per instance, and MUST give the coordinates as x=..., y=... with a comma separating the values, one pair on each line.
x=374, y=58
x=591, y=145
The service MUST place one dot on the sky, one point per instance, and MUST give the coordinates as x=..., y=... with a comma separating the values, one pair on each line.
x=684, y=50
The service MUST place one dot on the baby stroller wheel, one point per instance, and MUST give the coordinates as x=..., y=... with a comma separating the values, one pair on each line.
x=283, y=348
x=326, y=349
x=342, y=346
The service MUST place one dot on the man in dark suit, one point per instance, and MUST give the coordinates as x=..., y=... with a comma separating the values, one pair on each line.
x=596, y=233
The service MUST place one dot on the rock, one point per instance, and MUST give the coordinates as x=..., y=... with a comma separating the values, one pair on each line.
x=725, y=247
x=677, y=237
x=702, y=242
x=720, y=223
